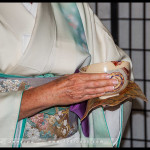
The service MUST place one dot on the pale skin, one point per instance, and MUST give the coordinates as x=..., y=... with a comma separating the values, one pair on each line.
x=69, y=89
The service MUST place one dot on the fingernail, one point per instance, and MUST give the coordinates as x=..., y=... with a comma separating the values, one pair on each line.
x=115, y=82
x=108, y=76
x=103, y=93
x=112, y=87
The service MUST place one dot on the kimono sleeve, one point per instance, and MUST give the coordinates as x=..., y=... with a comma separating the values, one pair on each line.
x=9, y=113
x=102, y=48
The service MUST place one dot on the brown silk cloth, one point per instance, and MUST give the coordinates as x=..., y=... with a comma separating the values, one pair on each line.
x=131, y=91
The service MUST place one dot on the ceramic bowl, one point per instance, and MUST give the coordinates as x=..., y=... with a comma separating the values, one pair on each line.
x=119, y=70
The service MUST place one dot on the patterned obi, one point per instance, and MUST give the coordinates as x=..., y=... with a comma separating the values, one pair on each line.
x=51, y=125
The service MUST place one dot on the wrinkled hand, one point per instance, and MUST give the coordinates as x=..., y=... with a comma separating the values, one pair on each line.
x=79, y=87
x=69, y=89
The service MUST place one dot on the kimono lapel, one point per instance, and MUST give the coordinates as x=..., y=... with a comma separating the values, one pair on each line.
x=13, y=25
x=38, y=50
x=48, y=50
x=17, y=18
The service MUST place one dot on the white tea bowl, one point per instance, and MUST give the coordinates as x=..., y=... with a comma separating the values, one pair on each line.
x=119, y=70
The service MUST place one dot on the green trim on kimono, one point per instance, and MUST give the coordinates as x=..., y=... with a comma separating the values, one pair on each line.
x=99, y=132
x=16, y=142
x=119, y=140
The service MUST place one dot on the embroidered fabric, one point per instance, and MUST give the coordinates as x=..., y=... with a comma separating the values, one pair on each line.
x=45, y=127
x=9, y=85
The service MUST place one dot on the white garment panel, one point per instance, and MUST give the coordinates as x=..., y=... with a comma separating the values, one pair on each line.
x=32, y=8
x=25, y=41
x=113, y=122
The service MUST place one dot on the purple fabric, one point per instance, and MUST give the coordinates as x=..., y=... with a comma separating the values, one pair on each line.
x=79, y=109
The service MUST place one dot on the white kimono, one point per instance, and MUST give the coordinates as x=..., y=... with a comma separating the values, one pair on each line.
x=51, y=49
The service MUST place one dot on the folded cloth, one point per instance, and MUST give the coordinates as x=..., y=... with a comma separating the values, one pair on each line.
x=79, y=109
x=132, y=91
x=83, y=109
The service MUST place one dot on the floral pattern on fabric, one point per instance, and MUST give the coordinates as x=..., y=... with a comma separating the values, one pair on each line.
x=45, y=127
x=9, y=85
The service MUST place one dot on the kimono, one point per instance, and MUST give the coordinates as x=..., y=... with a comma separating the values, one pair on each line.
x=53, y=48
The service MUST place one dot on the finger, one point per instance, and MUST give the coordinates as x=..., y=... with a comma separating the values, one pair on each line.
x=100, y=83
x=66, y=75
x=98, y=90
x=94, y=76
x=86, y=97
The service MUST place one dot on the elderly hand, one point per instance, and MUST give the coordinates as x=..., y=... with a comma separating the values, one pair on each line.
x=69, y=89
x=78, y=87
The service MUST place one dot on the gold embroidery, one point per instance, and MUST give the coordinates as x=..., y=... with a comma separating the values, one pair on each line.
x=49, y=127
